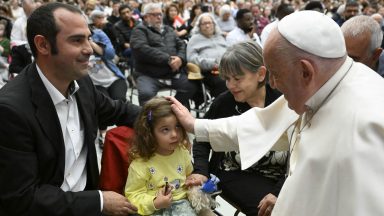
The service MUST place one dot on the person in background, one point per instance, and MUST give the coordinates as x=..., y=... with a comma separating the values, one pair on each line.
x=115, y=15
x=18, y=33
x=281, y=11
x=195, y=13
x=98, y=20
x=314, y=5
x=363, y=37
x=245, y=29
x=17, y=10
x=255, y=189
x=205, y=49
x=226, y=22
x=50, y=115
x=259, y=20
x=160, y=163
x=331, y=174
x=160, y=58
x=172, y=18
x=351, y=9
x=4, y=51
x=123, y=29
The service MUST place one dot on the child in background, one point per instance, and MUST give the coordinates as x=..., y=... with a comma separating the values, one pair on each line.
x=161, y=162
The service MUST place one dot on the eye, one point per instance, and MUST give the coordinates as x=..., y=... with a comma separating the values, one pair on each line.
x=165, y=130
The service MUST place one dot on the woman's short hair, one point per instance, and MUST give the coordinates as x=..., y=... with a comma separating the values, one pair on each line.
x=244, y=55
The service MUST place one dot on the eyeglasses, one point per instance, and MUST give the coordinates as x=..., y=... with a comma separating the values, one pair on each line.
x=155, y=14
x=206, y=23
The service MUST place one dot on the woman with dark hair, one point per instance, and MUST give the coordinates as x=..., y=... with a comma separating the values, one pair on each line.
x=172, y=18
x=195, y=13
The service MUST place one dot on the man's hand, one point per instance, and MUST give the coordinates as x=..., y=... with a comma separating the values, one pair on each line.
x=183, y=115
x=163, y=198
x=266, y=205
x=195, y=180
x=175, y=63
x=115, y=204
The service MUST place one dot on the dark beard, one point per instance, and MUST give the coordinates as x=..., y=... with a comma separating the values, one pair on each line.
x=247, y=30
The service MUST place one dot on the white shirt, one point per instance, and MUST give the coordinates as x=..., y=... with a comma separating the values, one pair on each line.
x=238, y=35
x=19, y=31
x=75, y=172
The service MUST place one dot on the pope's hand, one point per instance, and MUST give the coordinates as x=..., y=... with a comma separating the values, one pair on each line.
x=183, y=115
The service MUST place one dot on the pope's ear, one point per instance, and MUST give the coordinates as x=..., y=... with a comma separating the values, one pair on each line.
x=42, y=45
x=307, y=71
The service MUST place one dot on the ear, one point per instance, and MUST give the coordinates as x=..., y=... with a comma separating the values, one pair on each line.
x=376, y=54
x=42, y=45
x=262, y=72
x=307, y=71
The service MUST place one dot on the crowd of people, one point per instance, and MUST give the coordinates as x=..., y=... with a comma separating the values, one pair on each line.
x=295, y=128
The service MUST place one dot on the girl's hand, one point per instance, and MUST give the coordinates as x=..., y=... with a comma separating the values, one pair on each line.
x=163, y=198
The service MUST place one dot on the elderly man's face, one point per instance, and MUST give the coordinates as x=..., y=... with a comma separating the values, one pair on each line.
x=286, y=76
x=359, y=49
x=155, y=18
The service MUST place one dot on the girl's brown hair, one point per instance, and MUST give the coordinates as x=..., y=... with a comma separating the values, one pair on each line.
x=144, y=142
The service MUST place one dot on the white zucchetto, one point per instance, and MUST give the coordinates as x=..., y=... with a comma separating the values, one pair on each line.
x=314, y=33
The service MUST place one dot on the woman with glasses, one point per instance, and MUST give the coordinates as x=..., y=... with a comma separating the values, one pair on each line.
x=205, y=48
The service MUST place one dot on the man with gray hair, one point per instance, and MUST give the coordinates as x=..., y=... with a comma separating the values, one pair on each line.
x=332, y=111
x=363, y=37
x=160, y=58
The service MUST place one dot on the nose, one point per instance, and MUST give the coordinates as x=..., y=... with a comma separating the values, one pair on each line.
x=87, y=49
x=174, y=133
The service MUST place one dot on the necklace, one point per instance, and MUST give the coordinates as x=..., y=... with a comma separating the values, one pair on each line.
x=308, y=117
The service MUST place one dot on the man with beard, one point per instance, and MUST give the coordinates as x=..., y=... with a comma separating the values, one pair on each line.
x=244, y=30
x=351, y=10
x=160, y=58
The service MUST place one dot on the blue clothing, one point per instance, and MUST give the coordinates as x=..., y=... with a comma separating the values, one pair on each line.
x=102, y=39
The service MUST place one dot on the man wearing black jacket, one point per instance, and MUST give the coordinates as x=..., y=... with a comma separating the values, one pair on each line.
x=160, y=58
x=50, y=115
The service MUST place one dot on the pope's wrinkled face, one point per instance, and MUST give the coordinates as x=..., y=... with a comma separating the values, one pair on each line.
x=285, y=75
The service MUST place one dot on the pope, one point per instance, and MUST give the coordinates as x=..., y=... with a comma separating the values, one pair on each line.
x=331, y=112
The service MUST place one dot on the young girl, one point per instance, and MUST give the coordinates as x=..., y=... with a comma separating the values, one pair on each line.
x=161, y=162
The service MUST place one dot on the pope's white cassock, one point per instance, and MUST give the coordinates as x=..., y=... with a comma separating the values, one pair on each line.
x=337, y=163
